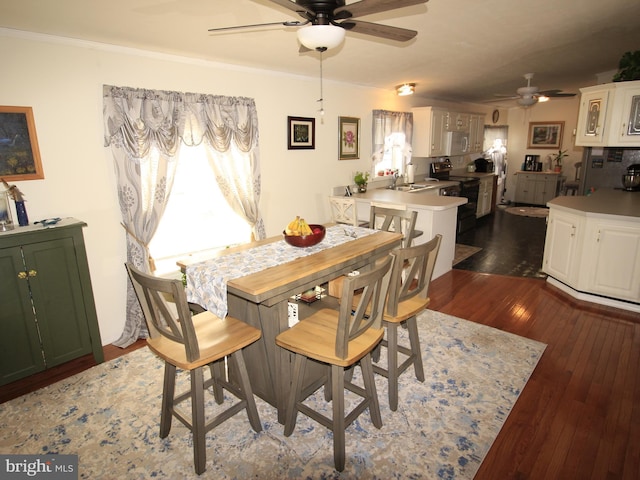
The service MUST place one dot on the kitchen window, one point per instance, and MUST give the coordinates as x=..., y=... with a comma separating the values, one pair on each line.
x=392, y=134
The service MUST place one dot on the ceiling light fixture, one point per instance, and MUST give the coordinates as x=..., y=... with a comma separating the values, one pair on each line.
x=527, y=101
x=406, y=89
x=543, y=98
x=321, y=36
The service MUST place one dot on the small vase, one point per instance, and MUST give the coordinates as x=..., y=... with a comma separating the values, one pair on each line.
x=362, y=188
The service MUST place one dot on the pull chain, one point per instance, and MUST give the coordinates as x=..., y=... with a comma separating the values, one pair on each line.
x=321, y=99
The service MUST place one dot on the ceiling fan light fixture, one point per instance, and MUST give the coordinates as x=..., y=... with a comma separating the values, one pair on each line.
x=406, y=89
x=543, y=98
x=322, y=37
x=527, y=101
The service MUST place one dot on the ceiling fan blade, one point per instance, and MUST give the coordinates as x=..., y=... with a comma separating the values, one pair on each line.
x=378, y=30
x=294, y=23
x=556, y=94
x=369, y=7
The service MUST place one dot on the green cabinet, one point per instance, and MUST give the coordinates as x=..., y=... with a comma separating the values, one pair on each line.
x=47, y=310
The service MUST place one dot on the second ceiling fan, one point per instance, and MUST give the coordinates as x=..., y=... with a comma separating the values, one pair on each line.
x=325, y=21
x=530, y=95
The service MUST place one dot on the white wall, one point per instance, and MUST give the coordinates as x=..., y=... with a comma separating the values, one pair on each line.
x=561, y=109
x=62, y=81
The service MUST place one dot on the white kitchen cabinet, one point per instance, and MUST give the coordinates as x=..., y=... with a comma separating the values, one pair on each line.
x=627, y=108
x=609, y=115
x=457, y=122
x=485, y=195
x=563, y=246
x=594, y=103
x=536, y=188
x=612, y=260
x=476, y=133
x=429, y=132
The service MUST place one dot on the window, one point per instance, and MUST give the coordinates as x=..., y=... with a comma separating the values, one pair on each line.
x=197, y=217
x=393, y=154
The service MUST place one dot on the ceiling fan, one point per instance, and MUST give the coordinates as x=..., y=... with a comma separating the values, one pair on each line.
x=325, y=21
x=530, y=95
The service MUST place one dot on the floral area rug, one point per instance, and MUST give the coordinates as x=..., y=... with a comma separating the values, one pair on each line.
x=529, y=211
x=109, y=416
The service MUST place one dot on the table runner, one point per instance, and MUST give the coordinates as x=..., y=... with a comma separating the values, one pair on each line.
x=207, y=280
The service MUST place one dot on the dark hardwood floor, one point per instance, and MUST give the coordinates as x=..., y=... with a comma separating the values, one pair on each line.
x=511, y=245
x=578, y=416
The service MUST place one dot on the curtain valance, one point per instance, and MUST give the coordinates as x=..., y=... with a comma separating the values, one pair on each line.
x=139, y=119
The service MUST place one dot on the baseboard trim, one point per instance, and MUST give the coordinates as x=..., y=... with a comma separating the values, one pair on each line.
x=588, y=297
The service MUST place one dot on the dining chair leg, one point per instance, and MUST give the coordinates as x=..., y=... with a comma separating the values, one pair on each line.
x=217, y=371
x=168, y=393
x=414, y=339
x=294, y=394
x=245, y=385
x=337, y=386
x=392, y=367
x=370, y=387
x=198, y=420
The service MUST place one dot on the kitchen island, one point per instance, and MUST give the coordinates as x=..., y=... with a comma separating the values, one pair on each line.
x=436, y=214
x=592, y=247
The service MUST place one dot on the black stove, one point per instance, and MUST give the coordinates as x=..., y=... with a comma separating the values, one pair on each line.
x=469, y=188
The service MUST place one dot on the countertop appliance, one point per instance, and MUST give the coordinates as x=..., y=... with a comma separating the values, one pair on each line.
x=468, y=187
x=483, y=165
x=631, y=179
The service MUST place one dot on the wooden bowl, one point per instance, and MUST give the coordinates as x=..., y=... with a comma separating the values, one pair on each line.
x=306, y=240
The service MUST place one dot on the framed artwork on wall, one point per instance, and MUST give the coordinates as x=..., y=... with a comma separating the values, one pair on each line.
x=545, y=135
x=301, y=133
x=19, y=153
x=349, y=133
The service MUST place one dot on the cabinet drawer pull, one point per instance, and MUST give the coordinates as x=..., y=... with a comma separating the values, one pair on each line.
x=33, y=273
x=22, y=275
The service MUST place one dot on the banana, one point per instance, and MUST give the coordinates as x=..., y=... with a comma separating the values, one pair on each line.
x=298, y=226
x=292, y=227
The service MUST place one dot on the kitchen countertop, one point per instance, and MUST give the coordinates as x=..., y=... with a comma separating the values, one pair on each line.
x=422, y=199
x=604, y=201
x=544, y=172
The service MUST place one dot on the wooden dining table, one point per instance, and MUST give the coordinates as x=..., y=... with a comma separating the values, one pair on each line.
x=261, y=300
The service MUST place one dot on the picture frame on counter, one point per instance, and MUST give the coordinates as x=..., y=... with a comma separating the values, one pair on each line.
x=545, y=135
x=301, y=133
x=19, y=152
x=349, y=138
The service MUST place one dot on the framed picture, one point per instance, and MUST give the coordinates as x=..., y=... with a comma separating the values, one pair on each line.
x=19, y=153
x=349, y=132
x=545, y=135
x=301, y=133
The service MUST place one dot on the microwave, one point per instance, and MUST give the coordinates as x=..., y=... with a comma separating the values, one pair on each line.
x=457, y=143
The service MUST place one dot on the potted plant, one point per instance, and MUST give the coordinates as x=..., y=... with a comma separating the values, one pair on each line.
x=361, y=179
x=629, y=67
x=557, y=159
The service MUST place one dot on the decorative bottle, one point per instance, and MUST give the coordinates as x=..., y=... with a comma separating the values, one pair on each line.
x=21, y=211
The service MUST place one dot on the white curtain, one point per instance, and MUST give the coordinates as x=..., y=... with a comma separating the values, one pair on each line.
x=145, y=129
x=386, y=123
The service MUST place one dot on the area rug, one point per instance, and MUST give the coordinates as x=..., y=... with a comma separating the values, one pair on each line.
x=443, y=428
x=463, y=252
x=528, y=211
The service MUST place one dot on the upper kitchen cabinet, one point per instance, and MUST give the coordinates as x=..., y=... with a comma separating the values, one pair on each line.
x=476, y=133
x=458, y=122
x=609, y=115
x=429, y=132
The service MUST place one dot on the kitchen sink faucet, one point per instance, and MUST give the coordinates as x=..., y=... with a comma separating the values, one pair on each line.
x=394, y=179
